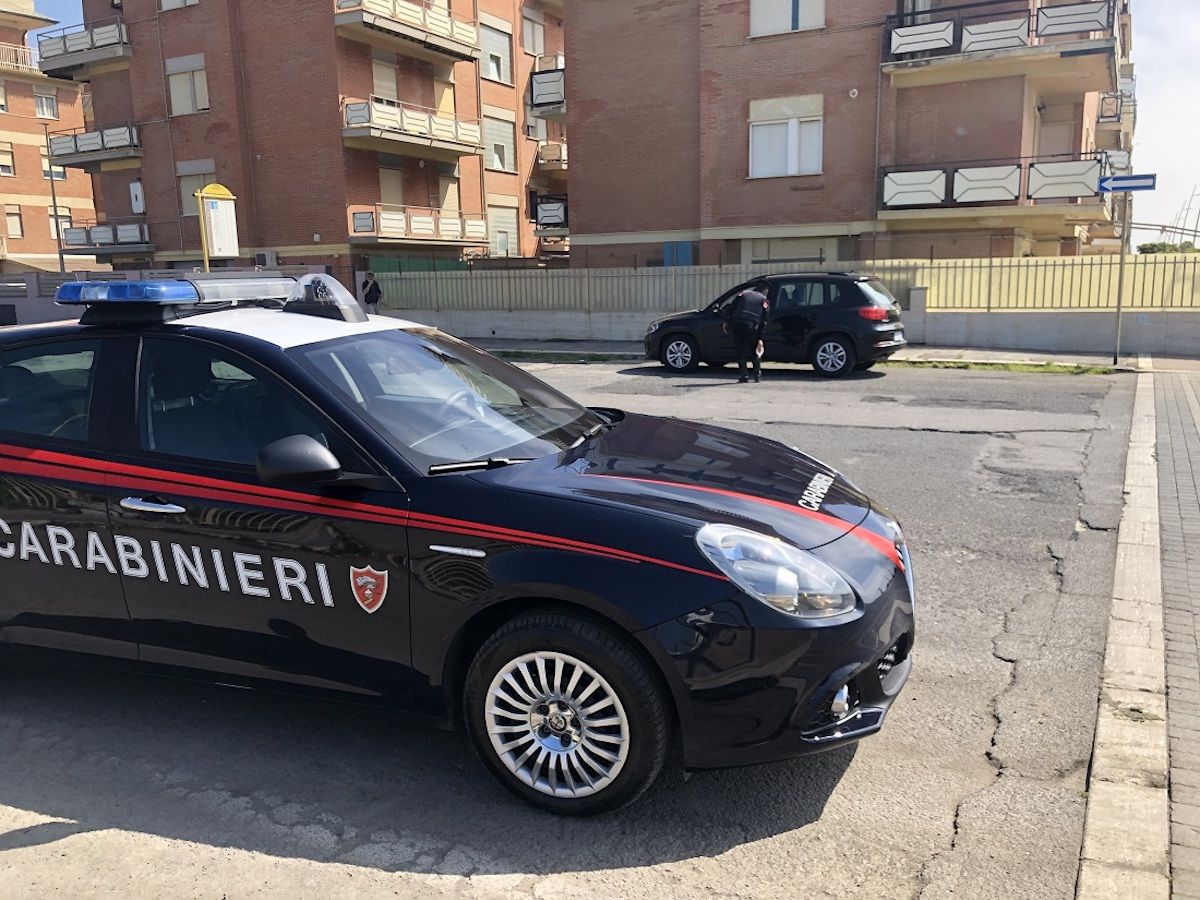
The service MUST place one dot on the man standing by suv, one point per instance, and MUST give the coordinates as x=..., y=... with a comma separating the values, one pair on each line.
x=747, y=320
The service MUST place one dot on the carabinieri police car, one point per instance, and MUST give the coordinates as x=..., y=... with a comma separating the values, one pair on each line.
x=251, y=481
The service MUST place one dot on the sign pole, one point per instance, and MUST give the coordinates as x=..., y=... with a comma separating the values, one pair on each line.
x=1121, y=277
x=58, y=237
x=203, y=230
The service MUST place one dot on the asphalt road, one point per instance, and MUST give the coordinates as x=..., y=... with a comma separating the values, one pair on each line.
x=1008, y=486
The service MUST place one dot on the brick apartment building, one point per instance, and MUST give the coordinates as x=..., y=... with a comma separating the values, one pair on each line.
x=355, y=133
x=28, y=101
x=844, y=129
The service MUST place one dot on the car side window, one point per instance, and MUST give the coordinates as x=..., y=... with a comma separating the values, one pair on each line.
x=796, y=296
x=202, y=403
x=843, y=295
x=722, y=304
x=46, y=390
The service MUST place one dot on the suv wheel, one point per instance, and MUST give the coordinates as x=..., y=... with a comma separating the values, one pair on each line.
x=566, y=715
x=679, y=353
x=833, y=357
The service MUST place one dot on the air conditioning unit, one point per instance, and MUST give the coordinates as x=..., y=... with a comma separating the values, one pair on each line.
x=268, y=259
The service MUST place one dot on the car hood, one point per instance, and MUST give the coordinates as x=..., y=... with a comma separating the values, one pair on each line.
x=699, y=473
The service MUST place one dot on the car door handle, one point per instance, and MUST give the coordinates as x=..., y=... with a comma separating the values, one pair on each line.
x=137, y=504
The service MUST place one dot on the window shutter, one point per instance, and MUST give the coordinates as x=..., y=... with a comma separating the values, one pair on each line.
x=498, y=132
x=768, y=150
x=810, y=147
x=812, y=14
x=494, y=42
x=502, y=224
x=770, y=16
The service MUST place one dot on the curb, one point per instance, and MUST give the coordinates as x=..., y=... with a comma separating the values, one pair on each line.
x=1126, y=839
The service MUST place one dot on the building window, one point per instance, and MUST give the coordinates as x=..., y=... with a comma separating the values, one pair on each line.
x=789, y=147
x=497, y=53
x=534, y=37
x=60, y=220
x=535, y=127
x=782, y=16
x=8, y=165
x=177, y=4
x=500, y=137
x=58, y=173
x=188, y=185
x=503, y=230
x=12, y=219
x=45, y=102
x=188, y=83
x=3, y=98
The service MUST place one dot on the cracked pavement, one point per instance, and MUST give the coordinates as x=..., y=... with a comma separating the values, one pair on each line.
x=1009, y=488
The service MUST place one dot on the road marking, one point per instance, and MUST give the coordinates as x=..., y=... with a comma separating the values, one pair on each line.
x=1126, y=838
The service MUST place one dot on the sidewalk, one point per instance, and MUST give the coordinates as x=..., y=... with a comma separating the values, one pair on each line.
x=569, y=351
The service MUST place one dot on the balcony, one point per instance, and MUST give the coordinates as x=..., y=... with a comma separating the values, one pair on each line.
x=413, y=27
x=552, y=157
x=70, y=52
x=88, y=150
x=548, y=87
x=120, y=236
x=1039, y=193
x=18, y=58
x=551, y=217
x=386, y=224
x=1073, y=47
x=390, y=127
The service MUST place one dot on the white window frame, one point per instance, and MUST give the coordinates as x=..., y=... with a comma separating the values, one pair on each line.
x=45, y=103
x=806, y=15
x=12, y=213
x=196, y=77
x=3, y=98
x=167, y=5
x=57, y=215
x=531, y=28
x=49, y=170
x=795, y=166
x=8, y=149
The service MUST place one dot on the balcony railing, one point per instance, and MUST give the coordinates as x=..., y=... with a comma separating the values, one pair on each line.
x=18, y=57
x=81, y=146
x=992, y=25
x=1013, y=182
x=117, y=234
x=552, y=156
x=548, y=84
x=404, y=17
x=109, y=37
x=412, y=121
x=412, y=223
x=552, y=213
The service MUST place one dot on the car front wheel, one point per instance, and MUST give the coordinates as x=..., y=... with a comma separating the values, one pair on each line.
x=833, y=357
x=566, y=714
x=680, y=354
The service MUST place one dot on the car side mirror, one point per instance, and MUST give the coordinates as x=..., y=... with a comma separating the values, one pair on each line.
x=299, y=459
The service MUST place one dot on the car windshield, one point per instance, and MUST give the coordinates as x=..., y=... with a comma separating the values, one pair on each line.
x=875, y=290
x=438, y=400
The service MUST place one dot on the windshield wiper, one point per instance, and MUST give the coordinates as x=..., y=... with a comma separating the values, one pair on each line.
x=593, y=432
x=477, y=465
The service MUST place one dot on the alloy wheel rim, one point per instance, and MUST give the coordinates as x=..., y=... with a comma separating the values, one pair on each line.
x=679, y=354
x=557, y=724
x=831, y=356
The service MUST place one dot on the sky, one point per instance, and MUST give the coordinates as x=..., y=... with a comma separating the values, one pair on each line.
x=1168, y=136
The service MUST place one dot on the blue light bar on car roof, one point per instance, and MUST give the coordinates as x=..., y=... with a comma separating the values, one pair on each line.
x=162, y=293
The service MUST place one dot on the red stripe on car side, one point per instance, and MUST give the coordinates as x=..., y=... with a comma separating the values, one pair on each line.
x=47, y=464
x=876, y=541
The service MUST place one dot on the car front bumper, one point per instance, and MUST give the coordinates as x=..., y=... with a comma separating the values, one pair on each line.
x=753, y=685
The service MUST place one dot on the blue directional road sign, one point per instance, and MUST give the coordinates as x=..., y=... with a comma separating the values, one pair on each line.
x=1118, y=184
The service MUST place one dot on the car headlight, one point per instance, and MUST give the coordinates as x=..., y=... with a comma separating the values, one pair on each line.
x=780, y=575
x=653, y=328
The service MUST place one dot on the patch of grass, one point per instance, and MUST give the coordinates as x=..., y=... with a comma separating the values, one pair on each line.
x=968, y=366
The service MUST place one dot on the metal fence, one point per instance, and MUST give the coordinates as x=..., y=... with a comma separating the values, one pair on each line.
x=1045, y=284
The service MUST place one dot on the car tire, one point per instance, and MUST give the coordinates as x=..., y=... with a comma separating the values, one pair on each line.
x=864, y=367
x=522, y=709
x=680, y=353
x=833, y=356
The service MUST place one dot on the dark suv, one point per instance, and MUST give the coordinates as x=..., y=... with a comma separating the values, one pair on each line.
x=837, y=322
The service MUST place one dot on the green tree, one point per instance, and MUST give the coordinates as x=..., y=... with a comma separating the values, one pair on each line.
x=1164, y=247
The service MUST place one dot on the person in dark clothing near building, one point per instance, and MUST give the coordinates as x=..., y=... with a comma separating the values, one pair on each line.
x=372, y=294
x=747, y=321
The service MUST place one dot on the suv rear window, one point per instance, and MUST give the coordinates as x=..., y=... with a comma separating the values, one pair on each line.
x=877, y=293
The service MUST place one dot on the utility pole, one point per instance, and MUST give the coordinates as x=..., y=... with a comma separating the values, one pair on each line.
x=62, y=263
x=1128, y=198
